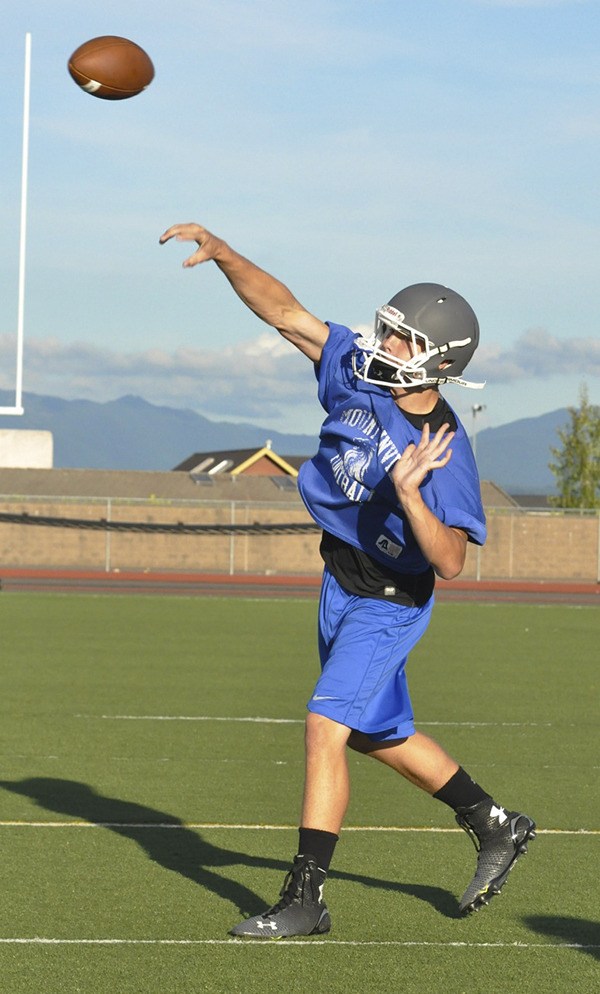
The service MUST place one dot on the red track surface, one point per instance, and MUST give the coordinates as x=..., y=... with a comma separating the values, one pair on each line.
x=244, y=585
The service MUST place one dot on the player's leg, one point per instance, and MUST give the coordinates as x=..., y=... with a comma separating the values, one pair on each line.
x=349, y=637
x=327, y=782
x=417, y=757
x=301, y=910
x=500, y=836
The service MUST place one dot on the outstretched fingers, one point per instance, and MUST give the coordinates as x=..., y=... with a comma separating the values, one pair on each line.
x=182, y=232
x=207, y=243
x=436, y=448
x=431, y=452
x=430, y=449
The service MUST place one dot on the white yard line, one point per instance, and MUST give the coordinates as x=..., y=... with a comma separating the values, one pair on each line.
x=300, y=721
x=264, y=828
x=270, y=944
x=185, y=717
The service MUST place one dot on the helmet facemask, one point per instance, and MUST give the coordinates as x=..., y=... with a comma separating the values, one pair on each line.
x=373, y=364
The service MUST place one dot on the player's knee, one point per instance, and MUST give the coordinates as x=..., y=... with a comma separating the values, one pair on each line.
x=323, y=733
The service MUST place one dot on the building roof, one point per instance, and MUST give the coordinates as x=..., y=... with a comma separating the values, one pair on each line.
x=494, y=496
x=264, y=461
x=531, y=500
x=144, y=485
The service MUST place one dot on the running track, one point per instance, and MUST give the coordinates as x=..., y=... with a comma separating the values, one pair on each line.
x=244, y=585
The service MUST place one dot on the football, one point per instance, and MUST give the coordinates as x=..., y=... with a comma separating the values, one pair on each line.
x=111, y=68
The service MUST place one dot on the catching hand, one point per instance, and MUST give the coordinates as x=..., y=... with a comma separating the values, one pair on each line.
x=416, y=461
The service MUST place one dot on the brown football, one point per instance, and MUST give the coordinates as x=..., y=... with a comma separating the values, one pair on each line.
x=111, y=68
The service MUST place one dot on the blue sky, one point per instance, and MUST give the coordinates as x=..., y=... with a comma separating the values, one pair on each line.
x=351, y=147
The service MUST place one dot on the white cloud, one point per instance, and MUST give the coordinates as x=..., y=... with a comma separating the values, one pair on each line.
x=537, y=354
x=262, y=378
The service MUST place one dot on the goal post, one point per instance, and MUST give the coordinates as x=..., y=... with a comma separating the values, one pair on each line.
x=17, y=408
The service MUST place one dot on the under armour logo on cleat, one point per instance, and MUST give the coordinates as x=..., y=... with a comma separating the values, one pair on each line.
x=498, y=813
x=270, y=925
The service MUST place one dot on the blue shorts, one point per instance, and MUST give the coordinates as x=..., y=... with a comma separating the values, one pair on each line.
x=364, y=644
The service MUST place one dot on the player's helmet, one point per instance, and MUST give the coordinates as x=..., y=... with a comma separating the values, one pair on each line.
x=442, y=328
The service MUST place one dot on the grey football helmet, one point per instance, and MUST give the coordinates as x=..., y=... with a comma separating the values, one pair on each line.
x=442, y=328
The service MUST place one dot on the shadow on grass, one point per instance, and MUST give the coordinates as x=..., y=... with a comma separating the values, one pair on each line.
x=580, y=933
x=183, y=850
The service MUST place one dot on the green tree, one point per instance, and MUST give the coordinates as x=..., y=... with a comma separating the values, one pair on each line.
x=576, y=465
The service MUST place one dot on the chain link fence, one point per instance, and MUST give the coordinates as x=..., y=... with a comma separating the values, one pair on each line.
x=259, y=537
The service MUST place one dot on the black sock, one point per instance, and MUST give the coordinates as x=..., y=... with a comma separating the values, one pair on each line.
x=318, y=844
x=461, y=792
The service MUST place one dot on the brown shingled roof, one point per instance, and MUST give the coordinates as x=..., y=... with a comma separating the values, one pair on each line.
x=139, y=484
x=232, y=460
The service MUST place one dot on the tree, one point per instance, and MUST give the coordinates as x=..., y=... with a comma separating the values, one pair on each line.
x=577, y=463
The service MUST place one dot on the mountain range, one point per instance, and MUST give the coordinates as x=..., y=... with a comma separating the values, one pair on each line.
x=130, y=433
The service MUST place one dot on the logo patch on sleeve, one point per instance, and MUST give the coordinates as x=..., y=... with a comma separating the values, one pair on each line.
x=385, y=544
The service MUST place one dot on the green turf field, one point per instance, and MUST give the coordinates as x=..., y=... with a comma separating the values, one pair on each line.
x=131, y=837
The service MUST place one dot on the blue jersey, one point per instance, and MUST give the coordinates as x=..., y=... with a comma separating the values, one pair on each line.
x=346, y=486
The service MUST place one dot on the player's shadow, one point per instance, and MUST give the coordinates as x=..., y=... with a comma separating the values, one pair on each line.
x=581, y=934
x=183, y=850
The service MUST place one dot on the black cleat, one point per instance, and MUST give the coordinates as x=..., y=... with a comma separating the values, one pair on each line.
x=500, y=837
x=301, y=910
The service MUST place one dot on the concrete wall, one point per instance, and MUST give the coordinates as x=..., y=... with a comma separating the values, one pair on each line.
x=521, y=544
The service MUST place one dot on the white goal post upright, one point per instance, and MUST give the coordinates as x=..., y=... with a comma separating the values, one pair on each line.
x=18, y=405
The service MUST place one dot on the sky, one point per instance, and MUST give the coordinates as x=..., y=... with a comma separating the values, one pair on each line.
x=349, y=147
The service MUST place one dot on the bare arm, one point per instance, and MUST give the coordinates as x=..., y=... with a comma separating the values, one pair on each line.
x=269, y=299
x=444, y=547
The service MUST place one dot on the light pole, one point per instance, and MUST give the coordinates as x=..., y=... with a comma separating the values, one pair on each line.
x=475, y=410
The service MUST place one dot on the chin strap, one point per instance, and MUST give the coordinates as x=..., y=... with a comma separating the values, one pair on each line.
x=459, y=382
